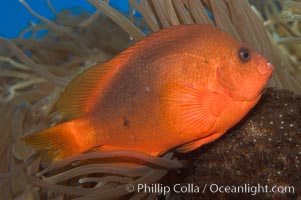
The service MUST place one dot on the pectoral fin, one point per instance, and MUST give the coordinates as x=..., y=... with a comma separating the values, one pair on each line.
x=191, y=108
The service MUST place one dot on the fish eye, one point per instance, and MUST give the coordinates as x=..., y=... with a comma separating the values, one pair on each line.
x=244, y=54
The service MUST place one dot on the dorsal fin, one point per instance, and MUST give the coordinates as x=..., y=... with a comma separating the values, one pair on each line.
x=74, y=100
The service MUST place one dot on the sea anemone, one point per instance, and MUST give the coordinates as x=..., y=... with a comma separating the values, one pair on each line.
x=34, y=71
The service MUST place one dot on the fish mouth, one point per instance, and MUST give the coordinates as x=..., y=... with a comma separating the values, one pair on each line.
x=266, y=70
x=271, y=69
x=269, y=74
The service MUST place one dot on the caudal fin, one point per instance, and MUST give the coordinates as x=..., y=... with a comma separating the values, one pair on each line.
x=67, y=139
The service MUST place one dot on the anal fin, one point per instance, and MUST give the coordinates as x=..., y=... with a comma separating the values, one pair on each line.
x=198, y=143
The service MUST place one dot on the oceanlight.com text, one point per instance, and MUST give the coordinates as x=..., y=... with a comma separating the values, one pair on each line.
x=251, y=189
x=212, y=187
